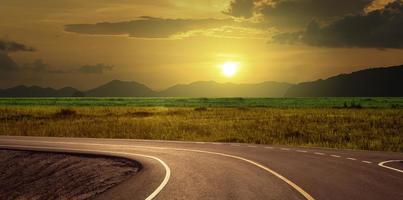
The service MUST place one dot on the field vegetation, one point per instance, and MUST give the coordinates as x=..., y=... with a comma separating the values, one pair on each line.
x=343, y=102
x=349, y=126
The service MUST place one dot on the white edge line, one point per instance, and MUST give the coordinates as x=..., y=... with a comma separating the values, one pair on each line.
x=351, y=158
x=335, y=156
x=11, y=137
x=368, y=162
x=290, y=183
x=382, y=164
x=301, y=151
x=150, y=197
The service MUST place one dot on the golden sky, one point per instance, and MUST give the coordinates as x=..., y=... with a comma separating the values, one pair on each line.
x=164, y=42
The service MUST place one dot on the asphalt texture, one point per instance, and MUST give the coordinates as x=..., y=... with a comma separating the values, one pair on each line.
x=199, y=170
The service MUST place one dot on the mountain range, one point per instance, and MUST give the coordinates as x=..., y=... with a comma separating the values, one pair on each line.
x=117, y=88
x=374, y=82
x=214, y=89
x=36, y=91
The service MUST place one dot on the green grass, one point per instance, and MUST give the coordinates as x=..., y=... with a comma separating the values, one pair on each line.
x=210, y=102
x=365, y=128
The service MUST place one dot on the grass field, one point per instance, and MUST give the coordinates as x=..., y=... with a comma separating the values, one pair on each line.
x=210, y=102
x=379, y=128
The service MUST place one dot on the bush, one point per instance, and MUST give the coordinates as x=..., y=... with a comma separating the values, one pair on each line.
x=199, y=109
x=66, y=112
x=352, y=105
x=141, y=114
x=356, y=105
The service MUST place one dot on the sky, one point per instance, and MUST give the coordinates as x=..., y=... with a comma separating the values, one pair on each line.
x=165, y=42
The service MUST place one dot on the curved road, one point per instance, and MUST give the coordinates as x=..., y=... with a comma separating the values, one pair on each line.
x=198, y=170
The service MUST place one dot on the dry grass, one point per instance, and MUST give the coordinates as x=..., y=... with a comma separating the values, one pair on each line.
x=369, y=129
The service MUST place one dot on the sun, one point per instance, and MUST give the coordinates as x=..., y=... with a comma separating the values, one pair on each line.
x=229, y=69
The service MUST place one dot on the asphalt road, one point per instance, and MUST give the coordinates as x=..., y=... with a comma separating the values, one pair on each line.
x=198, y=170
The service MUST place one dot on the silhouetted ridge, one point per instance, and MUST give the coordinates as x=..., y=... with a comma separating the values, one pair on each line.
x=118, y=88
x=214, y=89
x=35, y=91
x=375, y=82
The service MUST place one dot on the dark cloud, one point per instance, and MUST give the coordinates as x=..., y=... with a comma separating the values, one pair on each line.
x=6, y=47
x=7, y=63
x=298, y=13
x=148, y=27
x=11, y=46
x=39, y=66
x=95, y=69
x=293, y=14
x=377, y=29
x=241, y=8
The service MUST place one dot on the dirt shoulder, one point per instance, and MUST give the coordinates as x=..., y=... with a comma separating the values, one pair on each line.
x=40, y=175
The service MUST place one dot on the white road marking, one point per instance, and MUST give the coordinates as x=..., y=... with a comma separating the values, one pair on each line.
x=150, y=197
x=318, y=153
x=252, y=146
x=285, y=149
x=368, y=162
x=382, y=164
x=268, y=147
x=336, y=156
x=290, y=183
x=351, y=158
x=235, y=145
x=301, y=151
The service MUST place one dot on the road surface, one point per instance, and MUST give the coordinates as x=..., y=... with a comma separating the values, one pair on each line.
x=198, y=170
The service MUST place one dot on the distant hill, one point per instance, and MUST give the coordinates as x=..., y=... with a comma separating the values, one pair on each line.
x=214, y=89
x=375, y=82
x=118, y=88
x=35, y=91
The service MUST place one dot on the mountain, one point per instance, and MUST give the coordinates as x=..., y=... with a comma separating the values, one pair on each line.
x=375, y=82
x=214, y=89
x=35, y=91
x=118, y=88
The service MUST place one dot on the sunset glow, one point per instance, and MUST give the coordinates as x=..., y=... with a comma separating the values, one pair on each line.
x=229, y=69
x=162, y=43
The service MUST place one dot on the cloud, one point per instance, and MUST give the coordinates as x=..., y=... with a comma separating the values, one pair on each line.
x=95, y=69
x=150, y=27
x=294, y=14
x=377, y=4
x=377, y=29
x=7, y=63
x=298, y=13
x=11, y=46
x=241, y=8
x=39, y=66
